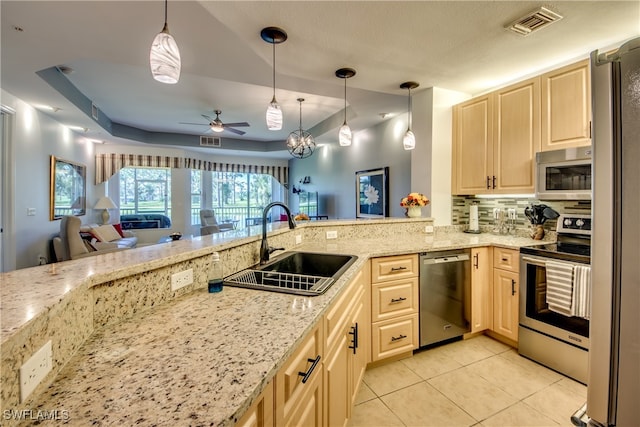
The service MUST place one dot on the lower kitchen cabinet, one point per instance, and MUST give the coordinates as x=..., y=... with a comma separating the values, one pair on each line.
x=347, y=349
x=481, y=289
x=299, y=384
x=260, y=414
x=506, y=293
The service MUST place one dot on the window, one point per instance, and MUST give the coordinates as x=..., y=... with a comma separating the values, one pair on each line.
x=145, y=197
x=234, y=196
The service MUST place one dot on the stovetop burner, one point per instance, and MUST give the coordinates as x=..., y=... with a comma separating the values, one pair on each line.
x=573, y=242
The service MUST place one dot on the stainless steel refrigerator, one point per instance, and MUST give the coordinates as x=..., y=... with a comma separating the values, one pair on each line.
x=613, y=396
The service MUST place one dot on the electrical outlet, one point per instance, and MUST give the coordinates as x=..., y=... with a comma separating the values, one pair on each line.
x=332, y=234
x=298, y=239
x=182, y=279
x=428, y=228
x=31, y=211
x=35, y=369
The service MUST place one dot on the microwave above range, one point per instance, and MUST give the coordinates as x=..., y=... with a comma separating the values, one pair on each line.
x=564, y=174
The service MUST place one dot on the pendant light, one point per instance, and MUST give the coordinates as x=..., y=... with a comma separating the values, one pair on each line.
x=164, y=57
x=409, y=139
x=344, y=134
x=274, y=35
x=300, y=142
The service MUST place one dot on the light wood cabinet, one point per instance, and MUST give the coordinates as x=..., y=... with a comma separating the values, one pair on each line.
x=347, y=324
x=394, y=305
x=496, y=137
x=299, y=384
x=260, y=414
x=481, y=289
x=506, y=293
x=566, y=107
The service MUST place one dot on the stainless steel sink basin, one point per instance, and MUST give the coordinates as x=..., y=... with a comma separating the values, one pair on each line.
x=300, y=273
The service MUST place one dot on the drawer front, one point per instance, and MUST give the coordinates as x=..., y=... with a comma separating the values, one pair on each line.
x=394, y=268
x=394, y=299
x=506, y=259
x=395, y=336
x=289, y=386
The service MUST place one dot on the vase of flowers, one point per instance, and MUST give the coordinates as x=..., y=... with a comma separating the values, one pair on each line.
x=414, y=203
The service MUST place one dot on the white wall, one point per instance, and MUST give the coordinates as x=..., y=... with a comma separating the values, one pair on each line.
x=34, y=138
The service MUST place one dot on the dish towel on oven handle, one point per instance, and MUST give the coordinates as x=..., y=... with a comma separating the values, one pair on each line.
x=559, y=287
x=581, y=300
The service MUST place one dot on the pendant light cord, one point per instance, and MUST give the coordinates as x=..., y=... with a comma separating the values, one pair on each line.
x=410, y=112
x=300, y=102
x=165, y=12
x=345, y=101
x=274, y=69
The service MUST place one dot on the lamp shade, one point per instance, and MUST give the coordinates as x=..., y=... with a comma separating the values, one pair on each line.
x=344, y=135
x=274, y=116
x=164, y=58
x=409, y=140
x=105, y=203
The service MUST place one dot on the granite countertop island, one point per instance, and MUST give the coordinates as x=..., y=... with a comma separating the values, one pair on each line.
x=201, y=359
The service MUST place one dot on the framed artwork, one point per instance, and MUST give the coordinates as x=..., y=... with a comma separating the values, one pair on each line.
x=67, y=192
x=372, y=193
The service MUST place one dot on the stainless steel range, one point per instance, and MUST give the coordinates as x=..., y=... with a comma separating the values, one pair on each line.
x=555, y=289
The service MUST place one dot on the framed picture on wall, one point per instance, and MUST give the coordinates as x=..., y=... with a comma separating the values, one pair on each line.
x=67, y=193
x=372, y=193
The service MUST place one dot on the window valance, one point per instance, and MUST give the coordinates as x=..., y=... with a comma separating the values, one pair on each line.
x=108, y=165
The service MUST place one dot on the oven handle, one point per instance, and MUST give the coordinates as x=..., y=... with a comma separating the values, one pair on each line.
x=533, y=261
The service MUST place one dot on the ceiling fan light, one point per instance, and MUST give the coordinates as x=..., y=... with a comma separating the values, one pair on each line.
x=217, y=127
x=344, y=135
x=274, y=116
x=164, y=58
x=409, y=140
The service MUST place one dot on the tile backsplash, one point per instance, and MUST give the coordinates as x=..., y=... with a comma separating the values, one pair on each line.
x=460, y=209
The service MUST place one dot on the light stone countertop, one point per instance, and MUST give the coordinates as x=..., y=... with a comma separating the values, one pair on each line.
x=202, y=358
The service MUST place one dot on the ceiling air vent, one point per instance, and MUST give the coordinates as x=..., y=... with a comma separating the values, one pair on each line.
x=534, y=21
x=210, y=141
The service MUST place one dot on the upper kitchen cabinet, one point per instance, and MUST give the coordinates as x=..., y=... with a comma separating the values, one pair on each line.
x=566, y=107
x=496, y=137
x=472, y=145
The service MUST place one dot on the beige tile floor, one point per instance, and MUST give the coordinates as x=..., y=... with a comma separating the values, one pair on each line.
x=476, y=382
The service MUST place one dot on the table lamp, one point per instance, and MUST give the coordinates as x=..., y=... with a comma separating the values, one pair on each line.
x=105, y=203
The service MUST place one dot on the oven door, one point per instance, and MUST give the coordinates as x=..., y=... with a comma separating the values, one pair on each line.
x=534, y=310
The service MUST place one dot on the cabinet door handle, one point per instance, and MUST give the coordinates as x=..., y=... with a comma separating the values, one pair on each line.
x=307, y=374
x=475, y=261
x=398, y=268
x=488, y=182
x=398, y=338
x=504, y=260
x=395, y=300
x=513, y=287
x=494, y=181
x=354, y=340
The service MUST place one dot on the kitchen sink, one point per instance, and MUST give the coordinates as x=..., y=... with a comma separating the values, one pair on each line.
x=300, y=273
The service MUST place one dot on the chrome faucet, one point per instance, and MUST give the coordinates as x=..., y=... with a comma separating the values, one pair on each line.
x=265, y=249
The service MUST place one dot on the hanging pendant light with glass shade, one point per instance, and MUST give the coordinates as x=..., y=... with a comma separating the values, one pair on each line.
x=409, y=139
x=344, y=134
x=164, y=58
x=274, y=35
x=301, y=143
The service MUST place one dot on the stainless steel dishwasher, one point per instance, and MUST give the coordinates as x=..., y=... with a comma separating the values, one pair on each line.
x=445, y=286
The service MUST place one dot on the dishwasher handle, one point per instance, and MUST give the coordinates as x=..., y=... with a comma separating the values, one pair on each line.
x=446, y=259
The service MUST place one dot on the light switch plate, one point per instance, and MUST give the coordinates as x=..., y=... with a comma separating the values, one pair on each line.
x=33, y=371
x=31, y=211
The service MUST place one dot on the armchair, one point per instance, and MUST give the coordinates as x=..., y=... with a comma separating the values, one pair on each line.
x=209, y=224
x=69, y=245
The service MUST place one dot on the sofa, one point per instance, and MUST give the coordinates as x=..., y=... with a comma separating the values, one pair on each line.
x=78, y=241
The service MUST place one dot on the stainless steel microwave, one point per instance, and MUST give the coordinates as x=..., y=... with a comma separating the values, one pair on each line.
x=564, y=174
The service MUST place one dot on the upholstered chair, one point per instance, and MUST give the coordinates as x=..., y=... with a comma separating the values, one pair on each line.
x=209, y=224
x=69, y=245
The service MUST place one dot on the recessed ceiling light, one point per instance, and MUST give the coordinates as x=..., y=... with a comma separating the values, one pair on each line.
x=48, y=108
x=78, y=128
x=65, y=69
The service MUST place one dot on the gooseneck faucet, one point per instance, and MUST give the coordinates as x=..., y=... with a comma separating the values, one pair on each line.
x=265, y=249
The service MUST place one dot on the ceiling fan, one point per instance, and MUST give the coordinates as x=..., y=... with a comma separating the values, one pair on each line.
x=216, y=124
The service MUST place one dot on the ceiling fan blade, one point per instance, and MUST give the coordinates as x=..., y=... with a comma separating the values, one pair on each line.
x=236, y=131
x=207, y=117
x=237, y=125
x=199, y=124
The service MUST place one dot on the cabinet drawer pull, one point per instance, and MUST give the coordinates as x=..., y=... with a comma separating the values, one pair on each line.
x=476, y=257
x=401, y=337
x=513, y=287
x=504, y=260
x=354, y=341
x=398, y=268
x=395, y=300
x=307, y=374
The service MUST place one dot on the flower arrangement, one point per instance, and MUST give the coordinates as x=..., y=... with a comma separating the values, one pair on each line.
x=301, y=217
x=414, y=199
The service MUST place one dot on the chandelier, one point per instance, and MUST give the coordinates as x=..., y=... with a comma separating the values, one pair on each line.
x=301, y=143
